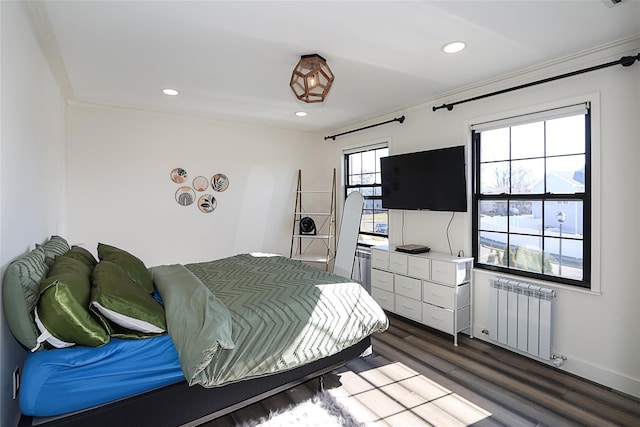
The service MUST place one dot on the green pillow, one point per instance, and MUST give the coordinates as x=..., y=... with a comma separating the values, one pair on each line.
x=53, y=247
x=20, y=290
x=82, y=255
x=63, y=314
x=134, y=267
x=116, y=298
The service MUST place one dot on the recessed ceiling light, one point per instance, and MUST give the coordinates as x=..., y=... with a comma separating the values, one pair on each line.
x=171, y=92
x=453, y=47
x=301, y=113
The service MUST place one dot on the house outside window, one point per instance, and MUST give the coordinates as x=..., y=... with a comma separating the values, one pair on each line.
x=532, y=195
x=362, y=174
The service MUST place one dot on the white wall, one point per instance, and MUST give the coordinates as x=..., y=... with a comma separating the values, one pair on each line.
x=597, y=331
x=32, y=188
x=120, y=192
x=114, y=173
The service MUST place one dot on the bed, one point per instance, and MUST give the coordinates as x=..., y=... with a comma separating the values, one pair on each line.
x=236, y=330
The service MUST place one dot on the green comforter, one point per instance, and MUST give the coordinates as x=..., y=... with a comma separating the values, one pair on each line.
x=255, y=314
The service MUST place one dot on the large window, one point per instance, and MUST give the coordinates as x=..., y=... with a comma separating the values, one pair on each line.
x=362, y=174
x=532, y=195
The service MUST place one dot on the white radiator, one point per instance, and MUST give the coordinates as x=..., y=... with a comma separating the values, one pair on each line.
x=520, y=316
x=362, y=267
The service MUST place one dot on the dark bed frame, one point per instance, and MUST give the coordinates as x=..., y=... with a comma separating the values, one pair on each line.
x=180, y=405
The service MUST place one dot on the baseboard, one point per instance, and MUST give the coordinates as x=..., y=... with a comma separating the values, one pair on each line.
x=576, y=366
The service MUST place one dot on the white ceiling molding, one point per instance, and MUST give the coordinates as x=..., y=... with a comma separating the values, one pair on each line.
x=41, y=25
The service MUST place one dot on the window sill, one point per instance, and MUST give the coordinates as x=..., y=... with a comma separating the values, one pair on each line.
x=553, y=285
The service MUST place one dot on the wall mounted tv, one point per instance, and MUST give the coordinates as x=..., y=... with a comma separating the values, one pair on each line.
x=433, y=180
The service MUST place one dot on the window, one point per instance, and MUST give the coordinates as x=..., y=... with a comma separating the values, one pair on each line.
x=532, y=195
x=362, y=174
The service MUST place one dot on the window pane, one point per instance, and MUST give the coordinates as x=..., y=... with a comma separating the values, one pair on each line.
x=526, y=175
x=566, y=135
x=564, y=217
x=369, y=162
x=566, y=257
x=368, y=178
x=527, y=141
x=521, y=222
x=366, y=224
x=492, y=247
x=565, y=174
x=495, y=145
x=525, y=253
x=366, y=191
x=494, y=178
x=381, y=221
x=355, y=163
x=355, y=179
x=488, y=220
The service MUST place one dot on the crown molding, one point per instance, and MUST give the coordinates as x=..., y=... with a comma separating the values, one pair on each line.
x=38, y=17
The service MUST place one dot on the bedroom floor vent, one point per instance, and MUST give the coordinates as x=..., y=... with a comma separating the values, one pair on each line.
x=521, y=316
x=362, y=267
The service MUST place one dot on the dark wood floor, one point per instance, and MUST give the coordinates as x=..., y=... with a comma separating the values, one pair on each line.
x=416, y=377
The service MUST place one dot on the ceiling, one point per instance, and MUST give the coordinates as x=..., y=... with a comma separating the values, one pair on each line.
x=232, y=60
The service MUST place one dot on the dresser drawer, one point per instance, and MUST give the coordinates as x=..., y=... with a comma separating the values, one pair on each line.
x=384, y=298
x=464, y=318
x=408, y=307
x=418, y=267
x=437, y=317
x=409, y=287
x=450, y=273
x=382, y=280
x=398, y=263
x=379, y=259
x=464, y=295
x=440, y=295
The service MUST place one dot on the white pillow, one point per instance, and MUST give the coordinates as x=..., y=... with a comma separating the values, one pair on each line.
x=45, y=335
x=127, y=321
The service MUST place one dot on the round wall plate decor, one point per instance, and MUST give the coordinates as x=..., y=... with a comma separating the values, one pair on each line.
x=219, y=182
x=185, y=196
x=200, y=183
x=178, y=175
x=207, y=203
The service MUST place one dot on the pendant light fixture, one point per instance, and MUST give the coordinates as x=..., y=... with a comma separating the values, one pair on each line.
x=311, y=79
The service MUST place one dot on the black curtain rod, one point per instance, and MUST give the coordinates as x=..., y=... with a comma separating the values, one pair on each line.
x=397, y=119
x=625, y=61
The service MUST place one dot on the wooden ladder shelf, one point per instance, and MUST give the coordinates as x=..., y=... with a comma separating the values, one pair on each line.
x=304, y=239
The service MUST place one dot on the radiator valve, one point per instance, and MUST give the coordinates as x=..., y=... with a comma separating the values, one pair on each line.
x=558, y=360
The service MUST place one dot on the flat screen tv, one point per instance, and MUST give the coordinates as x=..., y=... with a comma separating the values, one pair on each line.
x=433, y=180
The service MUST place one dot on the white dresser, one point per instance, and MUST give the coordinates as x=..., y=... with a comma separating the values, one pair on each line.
x=432, y=288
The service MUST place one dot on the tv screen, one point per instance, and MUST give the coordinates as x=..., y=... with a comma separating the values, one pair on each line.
x=434, y=180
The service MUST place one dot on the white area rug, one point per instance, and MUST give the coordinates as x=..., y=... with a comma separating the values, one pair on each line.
x=322, y=410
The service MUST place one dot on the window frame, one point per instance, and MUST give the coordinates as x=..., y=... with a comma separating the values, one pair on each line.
x=586, y=197
x=350, y=187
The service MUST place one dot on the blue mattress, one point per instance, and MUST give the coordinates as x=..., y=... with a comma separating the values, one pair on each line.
x=59, y=381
